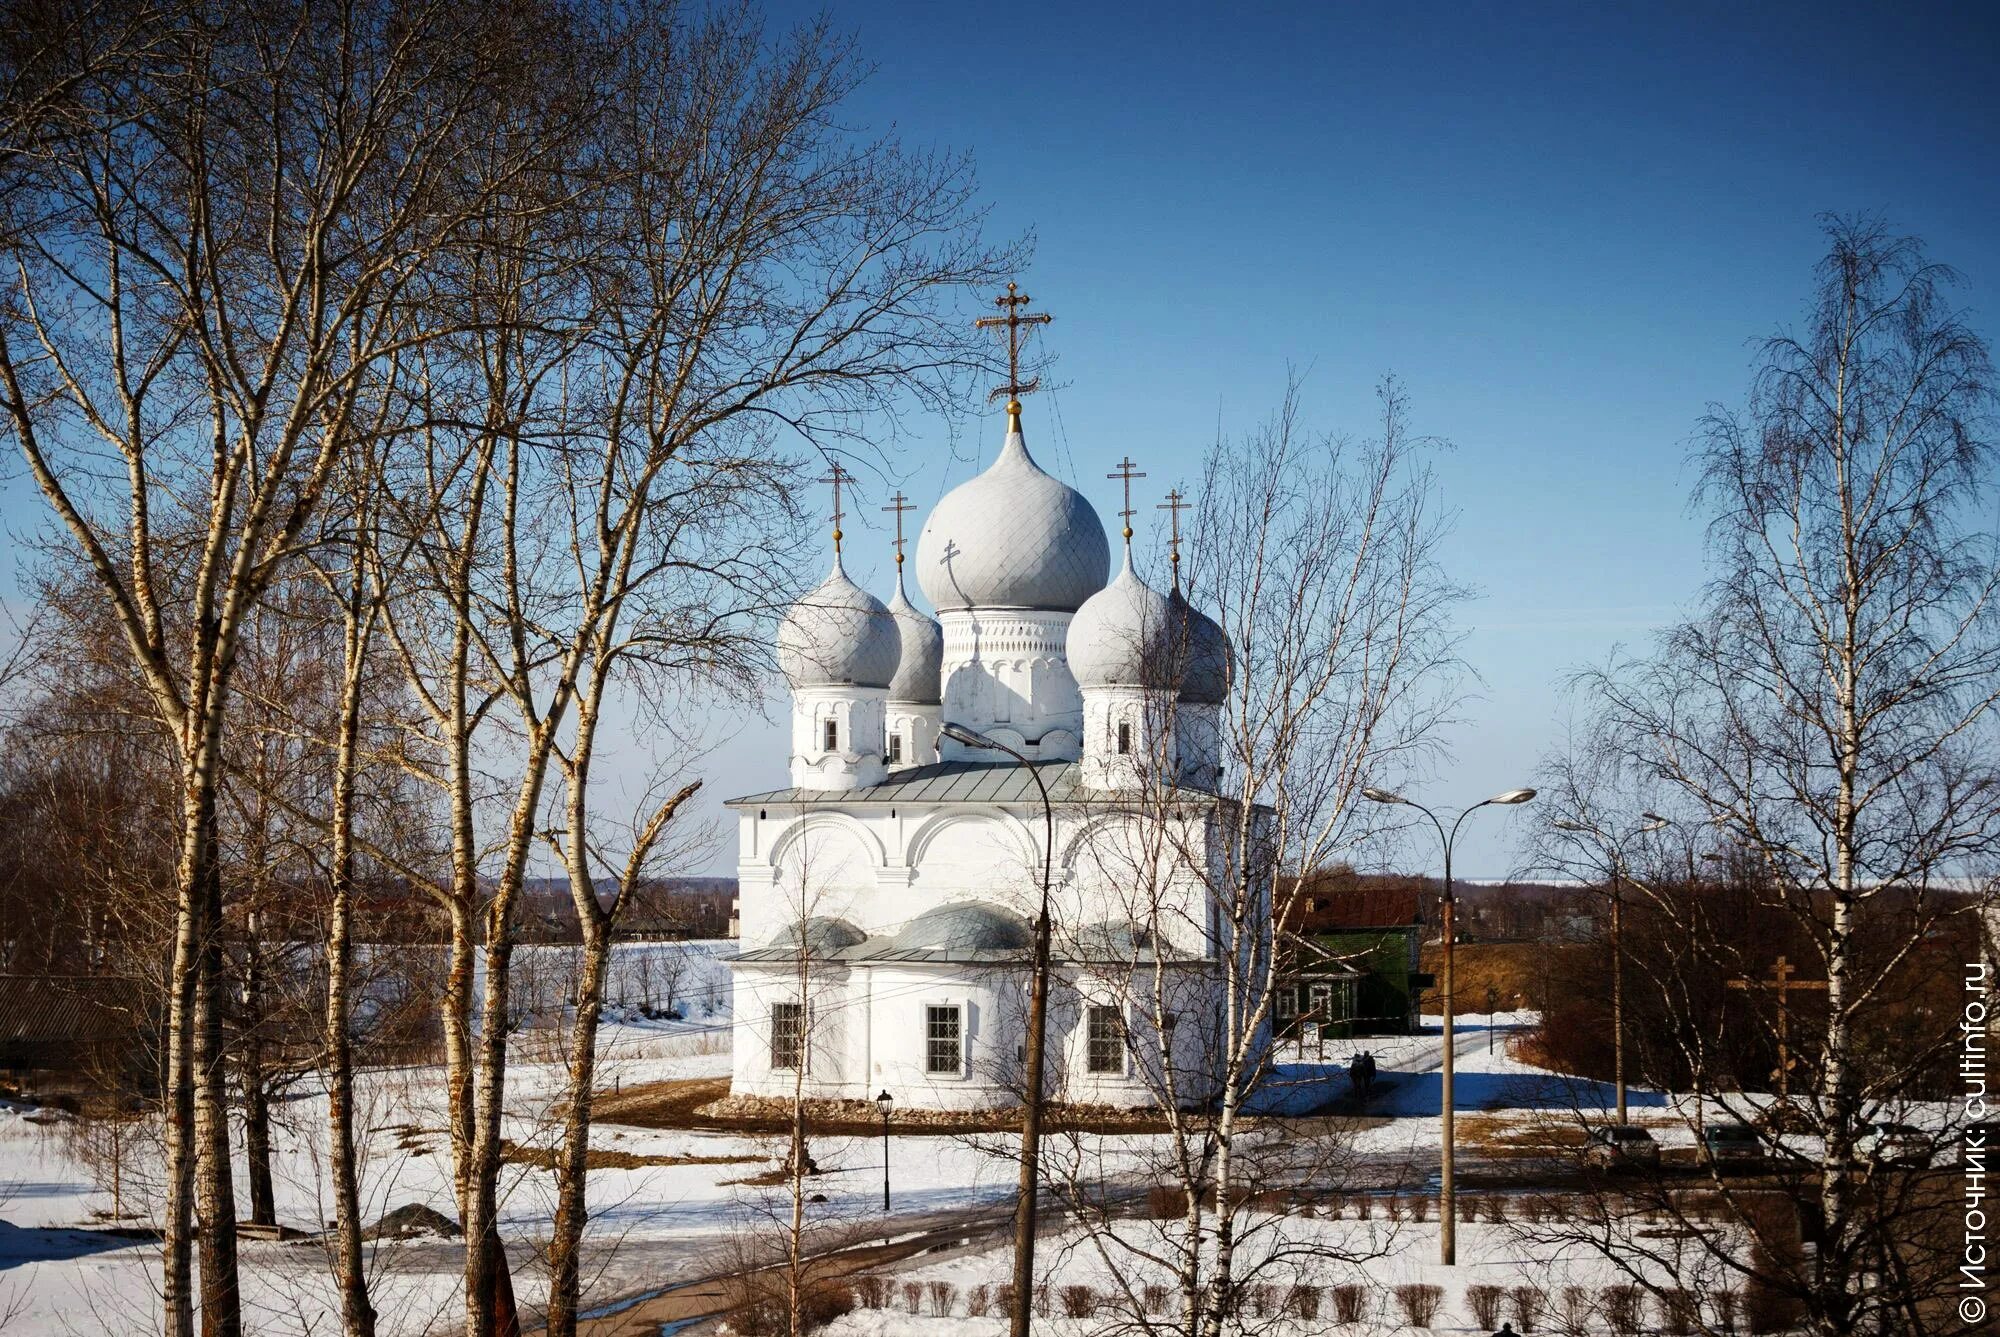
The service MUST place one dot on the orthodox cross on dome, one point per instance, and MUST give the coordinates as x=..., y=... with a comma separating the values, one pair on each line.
x=1013, y=322
x=837, y=476
x=1175, y=503
x=1128, y=471
x=899, y=504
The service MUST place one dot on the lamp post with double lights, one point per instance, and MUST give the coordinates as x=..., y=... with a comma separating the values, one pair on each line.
x=1614, y=853
x=883, y=1102
x=1447, y=1198
x=1038, y=1004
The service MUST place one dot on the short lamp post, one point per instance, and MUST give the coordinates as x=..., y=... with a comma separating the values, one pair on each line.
x=1492, y=1006
x=1447, y=1197
x=1614, y=852
x=883, y=1102
x=1038, y=1018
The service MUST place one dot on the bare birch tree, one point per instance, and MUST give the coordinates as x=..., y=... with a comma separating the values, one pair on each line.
x=1830, y=710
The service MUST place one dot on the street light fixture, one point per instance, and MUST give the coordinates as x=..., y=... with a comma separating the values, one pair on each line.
x=1447, y=1198
x=1038, y=1016
x=883, y=1102
x=1614, y=849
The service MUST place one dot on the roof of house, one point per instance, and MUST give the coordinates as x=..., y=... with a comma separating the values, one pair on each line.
x=68, y=1009
x=1357, y=908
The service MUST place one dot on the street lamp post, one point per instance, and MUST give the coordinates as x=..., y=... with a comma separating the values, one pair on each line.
x=883, y=1102
x=1038, y=1015
x=1615, y=854
x=1447, y=1198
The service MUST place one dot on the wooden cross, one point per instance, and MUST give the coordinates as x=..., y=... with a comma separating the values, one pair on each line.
x=899, y=504
x=1781, y=980
x=1012, y=322
x=1128, y=471
x=1175, y=504
x=836, y=476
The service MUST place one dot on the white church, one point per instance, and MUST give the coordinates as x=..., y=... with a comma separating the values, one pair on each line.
x=888, y=895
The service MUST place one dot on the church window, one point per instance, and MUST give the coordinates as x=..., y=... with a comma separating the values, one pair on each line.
x=1124, y=738
x=788, y=1034
x=1288, y=1004
x=944, y=1051
x=895, y=747
x=832, y=736
x=1106, y=1040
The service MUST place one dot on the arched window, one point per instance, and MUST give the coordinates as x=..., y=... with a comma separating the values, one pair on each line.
x=895, y=747
x=1124, y=738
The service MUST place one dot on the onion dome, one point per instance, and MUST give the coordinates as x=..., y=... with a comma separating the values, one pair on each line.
x=1013, y=537
x=1203, y=648
x=918, y=670
x=838, y=634
x=1121, y=637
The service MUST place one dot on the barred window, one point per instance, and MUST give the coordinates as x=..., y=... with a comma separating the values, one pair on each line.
x=1124, y=739
x=895, y=747
x=944, y=1051
x=788, y=1034
x=832, y=736
x=1106, y=1040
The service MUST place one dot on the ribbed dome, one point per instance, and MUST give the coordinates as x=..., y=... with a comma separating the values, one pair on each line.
x=1121, y=637
x=839, y=633
x=1017, y=538
x=964, y=927
x=1204, y=649
x=821, y=935
x=918, y=669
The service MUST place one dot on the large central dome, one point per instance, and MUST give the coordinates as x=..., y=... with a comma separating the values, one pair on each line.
x=1012, y=538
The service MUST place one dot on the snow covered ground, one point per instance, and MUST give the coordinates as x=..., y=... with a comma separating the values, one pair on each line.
x=659, y=1221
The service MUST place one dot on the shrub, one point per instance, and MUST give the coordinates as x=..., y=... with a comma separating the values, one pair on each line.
x=871, y=1291
x=1725, y=1302
x=1576, y=1309
x=1496, y=1209
x=1079, y=1302
x=1680, y=1313
x=762, y=1304
x=1153, y=1297
x=1003, y=1298
x=1420, y=1303
x=942, y=1296
x=1468, y=1208
x=1623, y=1307
x=913, y=1295
x=1264, y=1299
x=1420, y=1208
x=1350, y=1303
x=1166, y=1202
x=1043, y=1305
x=1364, y=1206
x=1303, y=1302
x=1529, y=1304
x=1531, y=1208
x=1484, y=1301
x=1392, y=1207
x=978, y=1301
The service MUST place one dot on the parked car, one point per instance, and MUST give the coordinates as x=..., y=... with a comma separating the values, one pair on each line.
x=1621, y=1146
x=1893, y=1144
x=1732, y=1146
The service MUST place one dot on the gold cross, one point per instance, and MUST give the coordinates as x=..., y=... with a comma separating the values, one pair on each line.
x=1128, y=471
x=1016, y=338
x=1175, y=504
x=836, y=476
x=899, y=504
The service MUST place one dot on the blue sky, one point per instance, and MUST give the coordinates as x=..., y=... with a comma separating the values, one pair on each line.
x=1561, y=227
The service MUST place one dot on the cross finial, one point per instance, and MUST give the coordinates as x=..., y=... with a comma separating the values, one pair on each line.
x=837, y=476
x=1128, y=471
x=899, y=504
x=1175, y=504
x=1012, y=321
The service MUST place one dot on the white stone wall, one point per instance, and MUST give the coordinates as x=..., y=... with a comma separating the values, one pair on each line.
x=858, y=714
x=1006, y=674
